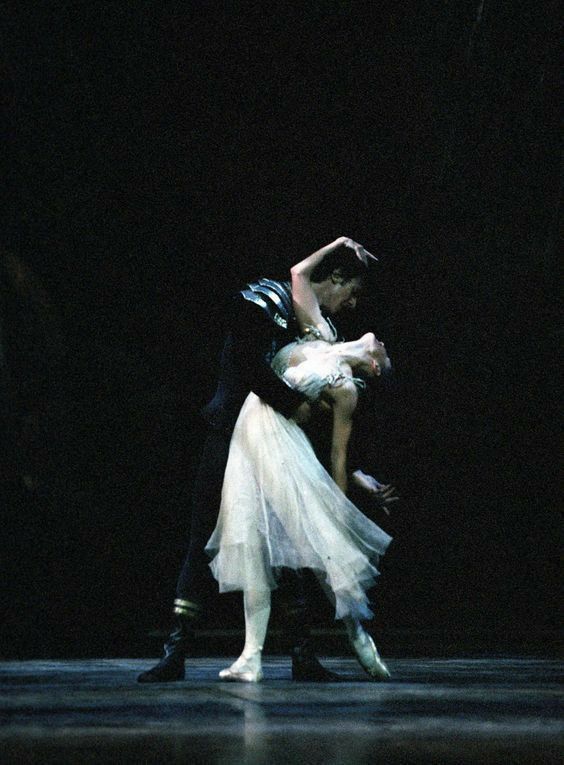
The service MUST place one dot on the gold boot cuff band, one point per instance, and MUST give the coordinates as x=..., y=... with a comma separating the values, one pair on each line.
x=186, y=607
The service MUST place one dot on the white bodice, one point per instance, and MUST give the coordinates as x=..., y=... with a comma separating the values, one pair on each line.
x=319, y=369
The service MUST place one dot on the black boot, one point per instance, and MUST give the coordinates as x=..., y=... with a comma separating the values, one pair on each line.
x=307, y=667
x=305, y=664
x=171, y=667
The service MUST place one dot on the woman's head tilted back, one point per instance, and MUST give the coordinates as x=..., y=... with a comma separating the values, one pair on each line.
x=375, y=360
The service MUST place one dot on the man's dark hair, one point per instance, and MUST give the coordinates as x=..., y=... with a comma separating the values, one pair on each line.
x=345, y=260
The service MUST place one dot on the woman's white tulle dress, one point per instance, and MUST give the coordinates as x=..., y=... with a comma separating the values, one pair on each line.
x=280, y=508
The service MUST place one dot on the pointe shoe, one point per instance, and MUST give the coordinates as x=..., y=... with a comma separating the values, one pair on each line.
x=244, y=670
x=367, y=655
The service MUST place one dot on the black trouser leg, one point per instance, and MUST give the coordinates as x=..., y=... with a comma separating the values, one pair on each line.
x=195, y=580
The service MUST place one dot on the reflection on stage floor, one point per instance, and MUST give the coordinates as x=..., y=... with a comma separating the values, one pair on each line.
x=481, y=710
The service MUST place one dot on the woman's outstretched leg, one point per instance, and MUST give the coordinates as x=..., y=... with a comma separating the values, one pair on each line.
x=248, y=667
x=365, y=650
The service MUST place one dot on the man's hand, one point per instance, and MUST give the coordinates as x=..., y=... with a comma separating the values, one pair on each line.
x=384, y=494
x=302, y=414
x=323, y=405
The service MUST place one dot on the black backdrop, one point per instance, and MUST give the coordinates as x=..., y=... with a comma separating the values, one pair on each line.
x=157, y=155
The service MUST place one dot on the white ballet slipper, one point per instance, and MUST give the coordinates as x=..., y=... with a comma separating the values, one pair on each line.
x=247, y=669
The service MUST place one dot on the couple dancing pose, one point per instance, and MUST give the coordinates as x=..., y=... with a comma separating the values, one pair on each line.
x=279, y=509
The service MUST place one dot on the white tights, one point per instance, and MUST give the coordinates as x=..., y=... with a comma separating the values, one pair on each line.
x=257, y=613
x=248, y=666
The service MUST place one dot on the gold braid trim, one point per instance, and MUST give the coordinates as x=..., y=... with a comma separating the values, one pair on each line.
x=186, y=607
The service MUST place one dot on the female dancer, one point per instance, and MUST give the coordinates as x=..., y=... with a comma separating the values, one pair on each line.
x=280, y=508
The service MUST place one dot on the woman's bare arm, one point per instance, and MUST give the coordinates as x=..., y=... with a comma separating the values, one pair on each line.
x=345, y=398
x=306, y=305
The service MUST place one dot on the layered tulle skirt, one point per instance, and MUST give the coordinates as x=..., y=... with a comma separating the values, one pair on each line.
x=281, y=509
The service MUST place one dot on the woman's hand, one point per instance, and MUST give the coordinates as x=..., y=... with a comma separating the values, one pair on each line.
x=384, y=494
x=363, y=255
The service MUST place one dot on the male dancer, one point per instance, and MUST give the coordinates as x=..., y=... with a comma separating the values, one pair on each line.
x=261, y=322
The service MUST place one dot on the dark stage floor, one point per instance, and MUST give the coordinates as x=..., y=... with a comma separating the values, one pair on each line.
x=487, y=710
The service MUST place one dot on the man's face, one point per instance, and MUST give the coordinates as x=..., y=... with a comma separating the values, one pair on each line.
x=342, y=294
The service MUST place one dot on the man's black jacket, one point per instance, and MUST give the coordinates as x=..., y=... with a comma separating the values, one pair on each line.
x=261, y=321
